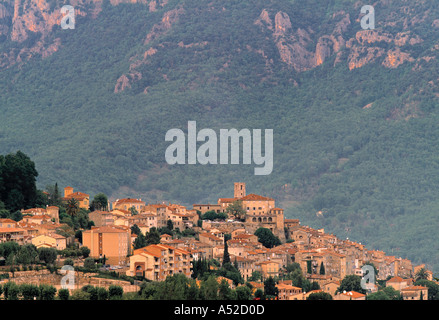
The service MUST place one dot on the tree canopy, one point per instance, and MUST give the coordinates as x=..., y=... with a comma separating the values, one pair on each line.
x=267, y=238
x=18, y=182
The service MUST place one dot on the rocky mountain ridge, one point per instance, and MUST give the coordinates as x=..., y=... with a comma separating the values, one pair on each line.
x=301, y=49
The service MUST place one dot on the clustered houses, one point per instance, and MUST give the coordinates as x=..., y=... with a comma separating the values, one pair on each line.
x=322, y=257
x=38, y=227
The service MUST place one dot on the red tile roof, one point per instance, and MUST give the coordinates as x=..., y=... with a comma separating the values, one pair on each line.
x=77, y=195
x=396, y=279
x=354, y=294
x=411, y=288
x=107, y=229
x=7, y=230
x=7, y=221
x=255, y=197
x=129, y=200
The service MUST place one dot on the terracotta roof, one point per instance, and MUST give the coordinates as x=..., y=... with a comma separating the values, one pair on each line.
x=56, y=236
x=107, y=229
x=77, y=195
x=44, y=216
x=165, y=235
x=353, y=294
x=257, y=284
x=157, y=205
x=287, y=287
x=129, y=200
x=227, y=199
x=33, y=210
x=151, y=252
x=243, y=236
x=123, y=211
x=7, y=221
x=7, y=230
x=396, y=279
x=255, y=197
x=210, y=236
x=411, y=288
x=156, y=249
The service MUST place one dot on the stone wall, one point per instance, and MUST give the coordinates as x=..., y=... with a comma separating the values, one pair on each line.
x=81, y=279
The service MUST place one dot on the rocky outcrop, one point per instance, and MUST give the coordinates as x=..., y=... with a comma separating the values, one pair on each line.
x=264, y=20
x=169, y=18
x=323, y=50
x=290, y=44
x=294, y=44
x=396, y=57
x=365, y=48
x=122, y=83
x=39, y=17
x=299, y=48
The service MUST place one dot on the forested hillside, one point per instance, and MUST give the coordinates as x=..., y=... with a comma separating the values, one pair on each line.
x=354, y=112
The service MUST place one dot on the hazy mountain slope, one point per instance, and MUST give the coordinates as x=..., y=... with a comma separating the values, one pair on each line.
x=354, y=112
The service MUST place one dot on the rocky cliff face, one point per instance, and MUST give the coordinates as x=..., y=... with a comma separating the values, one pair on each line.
x=303, y=49
x=299, y=48
x=296, y=49
x=293, y=43
x=22, y=19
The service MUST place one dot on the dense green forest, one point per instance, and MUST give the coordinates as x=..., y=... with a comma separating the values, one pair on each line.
x=370, y=174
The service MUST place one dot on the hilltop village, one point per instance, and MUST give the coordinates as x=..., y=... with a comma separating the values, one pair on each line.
x=234, y=228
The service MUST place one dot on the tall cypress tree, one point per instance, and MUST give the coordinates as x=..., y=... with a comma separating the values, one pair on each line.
x=308, y=267
x=322, y=269
x=226, y=256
